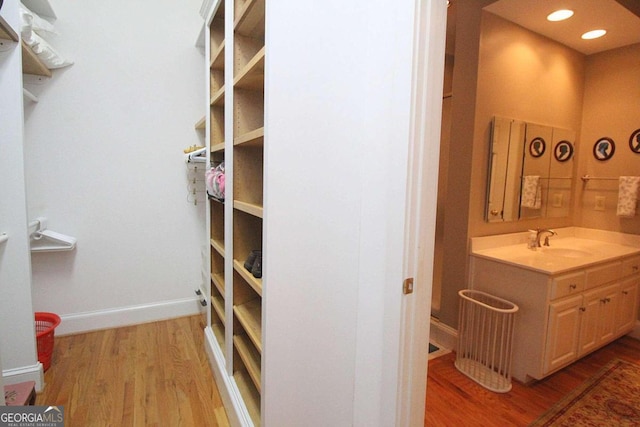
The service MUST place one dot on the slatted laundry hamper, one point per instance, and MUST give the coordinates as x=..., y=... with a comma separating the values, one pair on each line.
x=485, y=339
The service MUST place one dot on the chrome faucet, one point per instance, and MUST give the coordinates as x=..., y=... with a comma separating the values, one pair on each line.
x=540, y=232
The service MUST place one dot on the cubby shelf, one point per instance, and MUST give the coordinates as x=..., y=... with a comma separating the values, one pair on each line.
x=217, y=148
x=218, y=282
x=249, y=393
x=249, y=315
x=218, y=332
x=201, y=124
x=218, y=306
x=218, y=245
x=217, y=59
x=252, y=138
x=250, y=357
x=250, y=208
x=218, y=97
x=255, y=283
x=250, y=18
x=252, y=75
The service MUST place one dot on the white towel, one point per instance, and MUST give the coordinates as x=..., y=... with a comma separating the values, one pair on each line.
x=628, y=195
x=531, y=192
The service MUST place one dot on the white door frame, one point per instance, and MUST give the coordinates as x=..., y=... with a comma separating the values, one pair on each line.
x=422, y=191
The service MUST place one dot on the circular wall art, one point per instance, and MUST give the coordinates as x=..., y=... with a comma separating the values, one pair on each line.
x=537, y=146
x=563, y=151
x=634, y=141
x=603, y=149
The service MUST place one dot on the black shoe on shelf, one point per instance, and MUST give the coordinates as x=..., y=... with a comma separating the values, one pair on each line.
x=248, y=264
x=256, y=270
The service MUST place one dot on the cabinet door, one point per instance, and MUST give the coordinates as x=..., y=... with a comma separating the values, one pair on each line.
x=627, y=306
x=563, y=333
x=607, y=316
x=598, y=317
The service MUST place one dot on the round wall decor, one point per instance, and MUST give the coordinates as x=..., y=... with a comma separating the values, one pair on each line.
x=563, y=151
x=537, y=147
x=603, y=149
x=634, y=141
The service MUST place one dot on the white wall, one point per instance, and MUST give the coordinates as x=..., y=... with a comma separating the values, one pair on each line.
x=104, y=163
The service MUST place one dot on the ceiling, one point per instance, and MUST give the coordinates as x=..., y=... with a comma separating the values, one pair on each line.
x=623, y=27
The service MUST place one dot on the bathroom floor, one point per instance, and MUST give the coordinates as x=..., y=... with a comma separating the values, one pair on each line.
x=437, y=350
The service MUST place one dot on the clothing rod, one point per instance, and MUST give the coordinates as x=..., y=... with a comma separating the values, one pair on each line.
x=587, y=178
x=551, y=177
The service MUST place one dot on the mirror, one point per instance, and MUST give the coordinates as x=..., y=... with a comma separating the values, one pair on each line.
x=530, y=171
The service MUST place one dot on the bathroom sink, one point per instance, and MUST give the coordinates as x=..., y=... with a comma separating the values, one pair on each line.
x=565, y=252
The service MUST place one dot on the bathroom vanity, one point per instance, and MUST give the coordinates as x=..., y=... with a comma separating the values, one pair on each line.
x=575, y=296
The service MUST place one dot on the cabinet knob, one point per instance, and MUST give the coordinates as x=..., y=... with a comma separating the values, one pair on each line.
x=573, y=286
x=495, y=213
x=634, y=268
x=625, y=292
x=583, y=309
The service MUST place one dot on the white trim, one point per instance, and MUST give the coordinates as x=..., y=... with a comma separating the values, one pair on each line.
x=234, y=406
x=444, y=335
x=125, y=316
x=426, y=114
x=25, y=373
x=635, y=333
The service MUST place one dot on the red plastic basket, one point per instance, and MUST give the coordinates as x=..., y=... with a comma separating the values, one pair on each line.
x=45, y=330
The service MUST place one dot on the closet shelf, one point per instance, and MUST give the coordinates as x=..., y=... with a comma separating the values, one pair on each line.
x=218, y=332
x=249, y=315
x=250, y=208
x=252, y=138
x=249, y=393
x=7, y=32
x=252, y=75
x=255, y=283
x=250, y=357
x=218, y=97
x=217, y=59
x=218, y=282
x=201, y=124
x=250, y=19
x=217, y=147
x=218, y=245
x=31, y=64
x=218, y=306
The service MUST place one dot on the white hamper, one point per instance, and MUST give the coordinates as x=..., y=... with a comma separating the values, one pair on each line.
x=485, y=339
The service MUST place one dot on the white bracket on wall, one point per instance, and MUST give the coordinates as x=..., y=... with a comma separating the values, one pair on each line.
x=3, y=237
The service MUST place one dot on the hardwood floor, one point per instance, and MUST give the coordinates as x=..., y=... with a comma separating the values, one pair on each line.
x=455, y=400
x=155, y=374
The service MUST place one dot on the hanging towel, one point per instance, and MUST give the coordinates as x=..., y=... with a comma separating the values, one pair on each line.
x=628, y=195
x=531, y=192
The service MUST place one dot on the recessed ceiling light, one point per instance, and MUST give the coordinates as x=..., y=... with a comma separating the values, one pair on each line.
x=594, y=34
x=560, y=15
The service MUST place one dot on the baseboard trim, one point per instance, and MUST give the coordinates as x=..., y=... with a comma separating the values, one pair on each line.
x=125, y=316
x=234, y=405
x=444, y=335
x=635, y=333
x=25, y=373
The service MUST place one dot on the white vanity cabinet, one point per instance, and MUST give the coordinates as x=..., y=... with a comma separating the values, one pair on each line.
x=563, y=316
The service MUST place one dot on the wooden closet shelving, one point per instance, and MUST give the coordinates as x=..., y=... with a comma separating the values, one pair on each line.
x=236, y=89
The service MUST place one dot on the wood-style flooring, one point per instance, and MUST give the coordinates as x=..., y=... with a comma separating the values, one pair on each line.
x=154, y=374
x=455, y=400
x=157, y=374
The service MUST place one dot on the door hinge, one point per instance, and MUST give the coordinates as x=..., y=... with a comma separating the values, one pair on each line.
x=407, y=286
